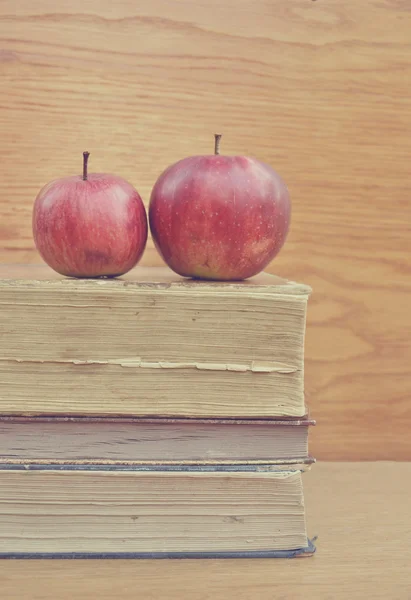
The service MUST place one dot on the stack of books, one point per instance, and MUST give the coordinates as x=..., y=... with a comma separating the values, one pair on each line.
x=152, y=416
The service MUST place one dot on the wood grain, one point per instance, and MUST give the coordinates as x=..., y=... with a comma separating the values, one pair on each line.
x=320, y=90
x=363, y=530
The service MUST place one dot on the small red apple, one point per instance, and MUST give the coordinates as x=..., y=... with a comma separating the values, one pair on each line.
x=219, y=217
x=90, y=226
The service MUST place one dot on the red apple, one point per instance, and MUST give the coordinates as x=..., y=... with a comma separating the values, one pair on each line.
x=90, y=226
x=219, y=217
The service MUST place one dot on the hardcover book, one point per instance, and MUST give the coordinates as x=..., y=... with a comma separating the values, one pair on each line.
x=145, y=511
x=151, y=344
x=129, y=440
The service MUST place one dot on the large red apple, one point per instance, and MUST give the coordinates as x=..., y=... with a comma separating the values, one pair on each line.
x=90, y=226
x=219, y=217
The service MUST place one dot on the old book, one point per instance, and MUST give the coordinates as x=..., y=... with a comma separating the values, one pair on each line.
x=154, y=512
x=87, y=440
x=151, y=344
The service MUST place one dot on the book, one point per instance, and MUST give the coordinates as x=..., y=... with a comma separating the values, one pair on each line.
x=151, y=512
x=87, y=440
x=151, y=344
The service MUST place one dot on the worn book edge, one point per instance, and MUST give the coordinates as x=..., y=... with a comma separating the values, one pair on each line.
x=304, y=421
x=148, y=277
x=298, y=463
x=306, y=551
x=262, y=466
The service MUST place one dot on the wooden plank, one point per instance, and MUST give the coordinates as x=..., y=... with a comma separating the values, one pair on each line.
x=320, y=90
x=363, y=530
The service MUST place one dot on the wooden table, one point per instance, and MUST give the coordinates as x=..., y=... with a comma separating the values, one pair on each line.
x=361, y=513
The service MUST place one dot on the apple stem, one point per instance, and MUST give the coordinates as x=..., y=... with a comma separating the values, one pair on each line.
x=85, y=161
x=217, y=138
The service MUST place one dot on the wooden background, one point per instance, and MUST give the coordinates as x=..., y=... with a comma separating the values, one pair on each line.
x=363, y=551
x=319, y=89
